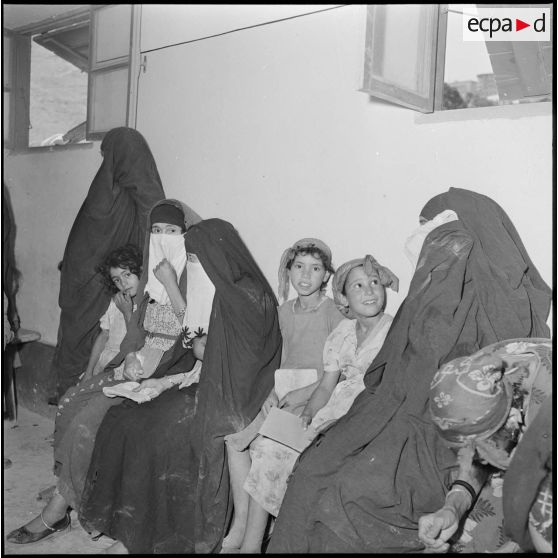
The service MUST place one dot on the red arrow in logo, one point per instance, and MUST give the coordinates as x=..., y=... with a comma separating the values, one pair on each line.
x=519, y=25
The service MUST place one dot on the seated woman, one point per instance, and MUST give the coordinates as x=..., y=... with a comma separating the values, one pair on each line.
x=363, y=485
x=158, y=482
x=482, y=404
x=155, y=326
x=359, y=291
x=120, y=272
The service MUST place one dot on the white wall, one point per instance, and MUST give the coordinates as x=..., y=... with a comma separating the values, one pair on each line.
x=47, y=189
x=265, y=127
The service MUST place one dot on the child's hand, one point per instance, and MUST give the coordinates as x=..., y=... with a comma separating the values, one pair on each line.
x=271, y=401
x=291, y=399
x=124, y=303
x=198, y=346
x=165, y=273
x=133, y=369
x=306, y=420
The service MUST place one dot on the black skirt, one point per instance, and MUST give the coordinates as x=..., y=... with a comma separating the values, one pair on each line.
x=139, y=488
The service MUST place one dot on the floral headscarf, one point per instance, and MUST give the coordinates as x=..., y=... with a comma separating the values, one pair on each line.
x=472, y=397
x=289, y=254
x=387, y=279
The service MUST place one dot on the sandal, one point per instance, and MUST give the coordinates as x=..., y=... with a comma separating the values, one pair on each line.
x=23, y=536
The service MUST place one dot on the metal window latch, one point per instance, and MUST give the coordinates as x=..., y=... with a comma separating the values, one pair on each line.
x=143, y=64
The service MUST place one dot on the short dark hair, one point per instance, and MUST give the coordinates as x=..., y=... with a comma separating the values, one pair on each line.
x=317, y=253
x=126, y=257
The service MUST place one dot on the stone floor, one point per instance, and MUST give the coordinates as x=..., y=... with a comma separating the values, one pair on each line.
x=27, y=444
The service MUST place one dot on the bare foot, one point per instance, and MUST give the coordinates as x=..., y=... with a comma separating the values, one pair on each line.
x=116, y=548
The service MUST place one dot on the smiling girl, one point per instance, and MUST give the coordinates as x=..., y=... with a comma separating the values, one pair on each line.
x=359, y=292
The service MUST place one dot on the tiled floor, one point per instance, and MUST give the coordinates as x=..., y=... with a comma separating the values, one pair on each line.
x=28, y=446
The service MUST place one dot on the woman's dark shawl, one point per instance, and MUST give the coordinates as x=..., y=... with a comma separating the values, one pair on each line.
x=362, y=486
x=113, y=214
x=190, y=482
x=242, y=353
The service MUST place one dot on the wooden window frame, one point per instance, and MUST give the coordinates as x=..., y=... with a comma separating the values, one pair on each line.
x=20, y=76
x=433, y=61
x=106, y=66
x=434, y=24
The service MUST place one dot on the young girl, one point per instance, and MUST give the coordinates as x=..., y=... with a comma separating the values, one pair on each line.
x=359, y=290
x=120, y=272
x=305, y=323
x=79, y=406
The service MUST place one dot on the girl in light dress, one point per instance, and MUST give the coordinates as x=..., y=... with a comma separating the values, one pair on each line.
x=305, y=322
x=359, y=292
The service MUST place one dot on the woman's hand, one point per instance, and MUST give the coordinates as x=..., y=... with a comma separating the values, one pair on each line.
x=436, y=528
x=271, y=401
x=198, y=346
x=165, y=273
x=156, y=386
x=133, y=369
x=124, y=303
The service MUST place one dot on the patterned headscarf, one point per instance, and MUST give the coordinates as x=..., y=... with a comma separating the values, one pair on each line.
x=472, y=397
x=288, y=256
x=387, y=279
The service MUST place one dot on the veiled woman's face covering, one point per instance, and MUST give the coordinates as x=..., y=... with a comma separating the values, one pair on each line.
x=415, y=241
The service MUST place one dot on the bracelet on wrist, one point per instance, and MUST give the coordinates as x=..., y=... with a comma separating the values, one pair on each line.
x=464, y=486
x=181, y=313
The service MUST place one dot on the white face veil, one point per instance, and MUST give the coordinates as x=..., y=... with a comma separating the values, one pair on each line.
x=413, y=244
x=171, y=247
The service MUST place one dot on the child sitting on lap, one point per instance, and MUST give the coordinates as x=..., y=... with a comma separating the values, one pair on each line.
x=305, y=322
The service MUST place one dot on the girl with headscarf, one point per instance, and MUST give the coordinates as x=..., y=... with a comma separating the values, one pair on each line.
x=362, y=485
x=151, y=332
x=482, y=404
x=359, y=292
x=158, y=479
x=113, y=214
x=305, y=322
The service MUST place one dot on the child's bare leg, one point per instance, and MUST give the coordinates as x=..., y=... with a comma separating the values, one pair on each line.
x=255, y=529
x=239, y=463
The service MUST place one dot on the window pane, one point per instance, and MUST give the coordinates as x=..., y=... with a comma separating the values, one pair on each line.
x=108, y=101
x=400, y=54
x=112, y=32
x=57, y=99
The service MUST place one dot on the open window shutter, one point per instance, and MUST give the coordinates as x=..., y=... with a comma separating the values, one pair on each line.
x=522, y=68
x=401, y=53
x=107, y=103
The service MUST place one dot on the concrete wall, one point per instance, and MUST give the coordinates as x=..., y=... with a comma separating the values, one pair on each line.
x=266, y=127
